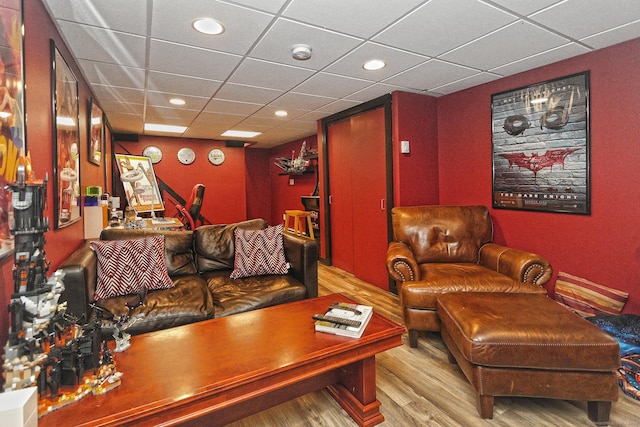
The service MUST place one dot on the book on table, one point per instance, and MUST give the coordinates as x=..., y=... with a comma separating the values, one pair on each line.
x=355, y=318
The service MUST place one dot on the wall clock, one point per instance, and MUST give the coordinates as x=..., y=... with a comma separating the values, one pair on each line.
x=153, y=153
x=216, y=156
x=186, y=156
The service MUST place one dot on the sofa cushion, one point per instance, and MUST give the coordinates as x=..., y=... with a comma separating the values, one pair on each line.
x=588, y=298
x=259, y=252
x=215, y=244
x=178, y=247
x=128, y=266
x=458, y=277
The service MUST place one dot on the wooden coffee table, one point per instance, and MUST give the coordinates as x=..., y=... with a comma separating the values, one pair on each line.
x=218, y=371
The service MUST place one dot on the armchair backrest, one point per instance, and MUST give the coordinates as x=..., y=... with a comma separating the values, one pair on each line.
x=443, y=233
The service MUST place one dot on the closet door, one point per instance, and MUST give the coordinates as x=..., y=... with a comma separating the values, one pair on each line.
x=357, y=181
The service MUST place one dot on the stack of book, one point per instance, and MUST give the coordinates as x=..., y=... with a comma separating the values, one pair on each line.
x=349, y=320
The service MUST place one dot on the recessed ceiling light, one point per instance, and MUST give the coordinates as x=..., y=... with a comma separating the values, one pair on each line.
x=374, y=64
x=208, y=26
x=177, y=101
x=164, y=128
x=240, y=134
x=281, y=113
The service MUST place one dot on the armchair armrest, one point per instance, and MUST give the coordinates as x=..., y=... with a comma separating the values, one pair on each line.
x=80, y=275
x=401, y=263
x=302, y=255
x=520, y=265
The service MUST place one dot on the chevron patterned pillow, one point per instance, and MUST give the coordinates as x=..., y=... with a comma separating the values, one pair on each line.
x=126, y=266
x=259, y=252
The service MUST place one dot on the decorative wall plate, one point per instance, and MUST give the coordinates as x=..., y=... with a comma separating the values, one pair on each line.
x=186, y=156
x=152, y=152
x=216, y=156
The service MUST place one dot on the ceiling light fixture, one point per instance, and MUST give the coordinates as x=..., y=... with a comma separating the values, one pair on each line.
x=208, y=26
x=281, y=113
x=240, y=134
x=177, y=101
x=164, y=128
x=301, y=52
x=374, y=64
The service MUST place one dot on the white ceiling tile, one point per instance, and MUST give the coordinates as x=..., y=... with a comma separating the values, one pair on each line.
x=170, y=116
x=372, y=15
x=614, y=36
x=191, y=61
x=245, y=93
x=570, y=17
x=374, y=91
x=110, y=93
x=553, y=55
x=272, y=6
x=112, y=75
x=337, y=106
x=180, y=84
x=161, y=99
x=525, y=7
x=442, y=25
x=242, y=25
x=278, y=42
x=232, y=107
x=431, y=74
x=122, y=107
x=397, y=60
x=124, y=122
x=301, y=101
x=516, y=41
x=466, y=83
x=269, y=112
x=269, y=75
x=104, y=14
x=331, y=85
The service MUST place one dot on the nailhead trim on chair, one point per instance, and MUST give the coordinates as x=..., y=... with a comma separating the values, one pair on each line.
x=404, y=279
x=531, y=267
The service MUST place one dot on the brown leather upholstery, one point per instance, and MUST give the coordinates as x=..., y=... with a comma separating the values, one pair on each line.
x=440, y=249
x=199, y=262
x=510, y=344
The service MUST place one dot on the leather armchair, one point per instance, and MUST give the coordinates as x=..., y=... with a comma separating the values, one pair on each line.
x=441, y=249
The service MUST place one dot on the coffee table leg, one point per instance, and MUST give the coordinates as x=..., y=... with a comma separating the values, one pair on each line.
x=356, y=392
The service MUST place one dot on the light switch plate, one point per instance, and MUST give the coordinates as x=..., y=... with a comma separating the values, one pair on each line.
x=404, y=147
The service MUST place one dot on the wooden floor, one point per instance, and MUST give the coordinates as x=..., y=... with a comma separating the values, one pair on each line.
x=419, y=387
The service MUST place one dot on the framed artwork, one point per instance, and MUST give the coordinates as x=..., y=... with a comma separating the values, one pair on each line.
x=139, y=182
x=12, y=125
x=66, y=154
x=540, y=146
x=96, y=133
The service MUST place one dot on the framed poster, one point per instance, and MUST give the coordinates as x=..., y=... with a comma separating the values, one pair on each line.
x=12, y=128
x=96, y=133
x=540, y=146
x=139, y=182
x=66, y=154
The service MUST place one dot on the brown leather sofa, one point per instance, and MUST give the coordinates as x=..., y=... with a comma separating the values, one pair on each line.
x=199, y=263
x=442, y=249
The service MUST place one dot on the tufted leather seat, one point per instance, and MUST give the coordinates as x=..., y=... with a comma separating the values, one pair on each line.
x=441, y=249
x=512, y=344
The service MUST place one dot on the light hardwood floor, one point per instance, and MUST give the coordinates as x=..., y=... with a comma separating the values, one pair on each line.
x=419, y=387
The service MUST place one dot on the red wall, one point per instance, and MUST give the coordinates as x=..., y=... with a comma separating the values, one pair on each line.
x=603, y=247
x=283, y=195
x=225, y=190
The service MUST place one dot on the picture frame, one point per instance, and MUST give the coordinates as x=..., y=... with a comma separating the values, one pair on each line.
x=66, y=142
x=139, y=182
x=96, y=146
x=540, y=146
x=12, y=112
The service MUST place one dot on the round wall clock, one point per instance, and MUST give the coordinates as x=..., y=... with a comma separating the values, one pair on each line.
x=216, y=156
x=186, y=156
x=153, y=153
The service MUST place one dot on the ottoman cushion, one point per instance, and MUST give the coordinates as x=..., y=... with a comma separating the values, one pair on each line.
x=524, y=331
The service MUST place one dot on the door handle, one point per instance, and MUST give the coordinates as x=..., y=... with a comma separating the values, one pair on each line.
x=330, y=199
x=382, y=207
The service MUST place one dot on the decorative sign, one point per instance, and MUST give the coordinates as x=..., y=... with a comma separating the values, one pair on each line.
x=540, y=136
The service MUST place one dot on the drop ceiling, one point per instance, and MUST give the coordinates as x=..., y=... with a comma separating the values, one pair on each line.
x=136, y=55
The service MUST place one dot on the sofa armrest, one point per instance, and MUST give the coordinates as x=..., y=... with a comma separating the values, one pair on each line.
x=302, y=255
x=80, y=275
x=401, y=263
x=519, y=265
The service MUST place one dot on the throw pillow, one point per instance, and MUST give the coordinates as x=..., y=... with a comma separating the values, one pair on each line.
x=127, y=266
x=587, y=298
x=259, y=252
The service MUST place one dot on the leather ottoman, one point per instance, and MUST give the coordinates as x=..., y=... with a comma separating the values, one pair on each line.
x=528, y=345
